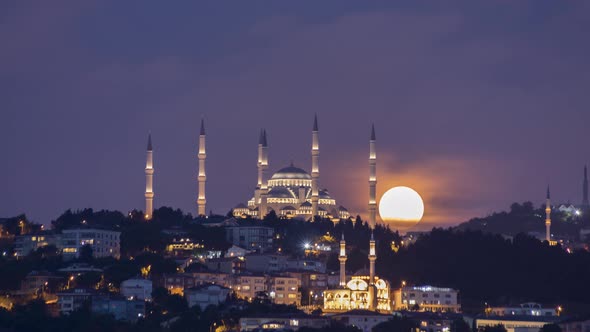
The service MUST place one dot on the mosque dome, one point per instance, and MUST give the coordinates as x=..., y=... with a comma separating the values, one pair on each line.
x=280, y=192
x=291, y=172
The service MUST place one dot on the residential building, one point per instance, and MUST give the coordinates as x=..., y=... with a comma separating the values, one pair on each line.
x=426, y=298
x=177, y=283
x=25, y=244
x=104, y=243
x=580, y=324
x=39, y=281
x=137, y=289
x=429, y=321
x=266, y=263
x=118, y=306
x=277, y=322
x=248, y=286
x=284, y=290
x=524, y=309
x=514, y=323
x=229, y=265
x=235, y=251
x=206, y=295
x=306, y=264
x=73, y=299
x=316, y=282
x=251, y=237
x=364, y=320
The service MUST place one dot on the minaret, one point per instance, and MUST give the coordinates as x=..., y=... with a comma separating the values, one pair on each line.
x=372, y=179
x=585, y=202
x=342, y=259
x=202, y=178
x=315, y=168
x=263, y=156
x=149, y=181
x=372, y=259
x=548, y=217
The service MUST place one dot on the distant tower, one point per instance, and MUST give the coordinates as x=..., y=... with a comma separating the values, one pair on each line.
x=585, y=202
x=548, y=217
x=342, y=259
x=202, y=178
x=263, y=166
x=372, y=179
x=149, y=181
x=315, y=168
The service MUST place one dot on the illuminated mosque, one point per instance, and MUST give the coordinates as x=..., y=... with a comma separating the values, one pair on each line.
x=291, y=192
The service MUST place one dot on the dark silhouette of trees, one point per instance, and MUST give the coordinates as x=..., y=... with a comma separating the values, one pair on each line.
x=398, y=324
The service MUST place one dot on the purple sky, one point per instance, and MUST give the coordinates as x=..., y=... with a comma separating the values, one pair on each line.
x=476, y=104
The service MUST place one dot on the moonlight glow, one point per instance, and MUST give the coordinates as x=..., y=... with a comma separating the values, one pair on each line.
x=401, y=206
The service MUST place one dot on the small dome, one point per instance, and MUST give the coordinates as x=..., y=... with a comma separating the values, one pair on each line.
x=324, y=194
x=342, y=208
x=291, y=172
x=305, y=204
x=241, y=206
x=280, y=192
x=288, y=208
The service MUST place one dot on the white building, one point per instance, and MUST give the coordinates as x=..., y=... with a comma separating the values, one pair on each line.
x=365, y=320
x=137, y=288
x=427, y=298
x=276, y=322
x=524, y=309
x=516, y=323
x=104, y=243
x=206, y=295
x=73, y=299
x=25, y=244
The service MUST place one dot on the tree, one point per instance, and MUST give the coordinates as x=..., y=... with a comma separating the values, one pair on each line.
x=86, y=253
x=550, y=328
x=398, y=324
x=495, y=328
x=459, y=325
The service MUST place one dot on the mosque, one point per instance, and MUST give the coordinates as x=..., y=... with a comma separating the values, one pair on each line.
x=291, y=192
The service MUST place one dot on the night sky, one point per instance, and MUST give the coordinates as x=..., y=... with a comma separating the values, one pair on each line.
x=476, y=104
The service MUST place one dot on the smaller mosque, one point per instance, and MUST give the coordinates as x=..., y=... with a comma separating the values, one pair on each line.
x=291, y=192
x=364, y=290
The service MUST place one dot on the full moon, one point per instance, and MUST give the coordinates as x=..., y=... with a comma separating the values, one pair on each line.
x=401, y=207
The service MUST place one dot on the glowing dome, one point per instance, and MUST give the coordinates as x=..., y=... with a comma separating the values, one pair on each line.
x=291, y=172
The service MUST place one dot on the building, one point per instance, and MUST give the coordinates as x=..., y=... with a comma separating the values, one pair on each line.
x=25, y=244
x=429, y=321
x=426, y=298
x=311, y=281
x=306, y=264
x=524, y=309
x=290, y=192
x=235, y=251
x=177, y=283
x=364, y=320
x=266, y=263
x=119, y=307
x=250, y=236
x=278, y=322
x=206, y=295
x=516, y=323
x=580, y=324
x=284, y=290
x=183, y=247
x=137, y=289
x=39, y=282
x=104, y=243
x=248, y=287
x=230, y=265
x=73, y=299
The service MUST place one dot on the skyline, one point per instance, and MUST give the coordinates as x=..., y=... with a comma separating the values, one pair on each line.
x=471, y=114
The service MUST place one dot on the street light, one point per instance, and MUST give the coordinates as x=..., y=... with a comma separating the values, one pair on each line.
x=309, y=297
